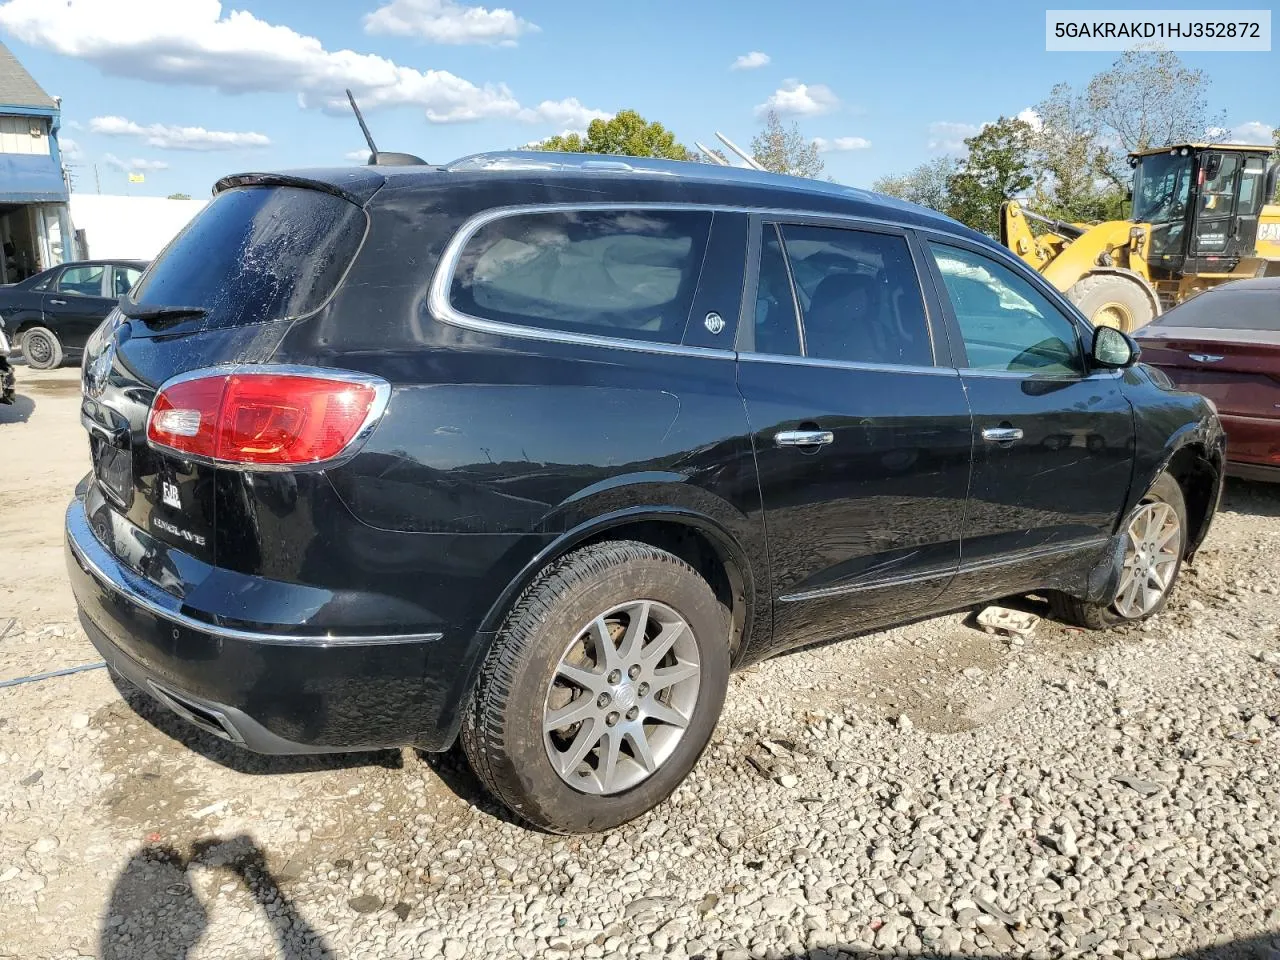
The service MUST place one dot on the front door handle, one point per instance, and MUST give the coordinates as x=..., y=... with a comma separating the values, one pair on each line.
x=1002, y=434
x=803, y=438
x=58, y=303
x=1206, y=357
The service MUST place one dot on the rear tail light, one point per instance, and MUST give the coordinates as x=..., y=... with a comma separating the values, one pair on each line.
x=272, y=417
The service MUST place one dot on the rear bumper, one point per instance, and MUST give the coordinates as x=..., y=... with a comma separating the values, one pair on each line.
x=273, y=693
x=1252, y=442
x=1254, y=471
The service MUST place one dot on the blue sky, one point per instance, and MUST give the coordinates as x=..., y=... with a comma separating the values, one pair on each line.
x=188, y=90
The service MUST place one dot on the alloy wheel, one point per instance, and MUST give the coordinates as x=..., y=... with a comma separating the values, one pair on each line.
x=622, y=697
x=1152, y=547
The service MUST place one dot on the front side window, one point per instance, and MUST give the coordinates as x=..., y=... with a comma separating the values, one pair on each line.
x=629, y=274
x=859, y=296
x=83, y=281
x=1006, y=323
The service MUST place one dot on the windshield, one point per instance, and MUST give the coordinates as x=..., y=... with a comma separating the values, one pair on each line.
x=1161, y=185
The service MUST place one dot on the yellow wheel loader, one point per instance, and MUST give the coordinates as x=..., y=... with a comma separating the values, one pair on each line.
x=1199, y=219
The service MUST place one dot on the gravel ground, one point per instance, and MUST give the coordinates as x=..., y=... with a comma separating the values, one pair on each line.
x=925, y=791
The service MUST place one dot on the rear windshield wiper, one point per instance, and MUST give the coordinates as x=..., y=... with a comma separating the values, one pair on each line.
x=158, y=313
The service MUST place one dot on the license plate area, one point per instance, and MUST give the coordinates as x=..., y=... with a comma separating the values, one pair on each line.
x=113, y=467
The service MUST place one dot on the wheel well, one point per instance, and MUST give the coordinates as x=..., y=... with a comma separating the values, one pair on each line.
x=1197, y=475
x=701, y=551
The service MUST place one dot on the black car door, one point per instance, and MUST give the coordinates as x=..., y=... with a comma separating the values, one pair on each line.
x=859, y=424
x=77, y=302
x=1053, y=440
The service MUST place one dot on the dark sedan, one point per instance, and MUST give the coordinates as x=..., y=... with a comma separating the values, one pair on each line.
x=49, y=316
x=1225, y=344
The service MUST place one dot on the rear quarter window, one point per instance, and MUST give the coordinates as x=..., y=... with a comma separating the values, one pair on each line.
x=256, y=254
x=626, y=274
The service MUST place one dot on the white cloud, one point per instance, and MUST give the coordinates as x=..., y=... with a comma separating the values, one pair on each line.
x=177, y=138
x=839, y=144
x=1254, y=131
x=193, y=42
x=73, y=125
x=71, y=150
x=794, y=98
x=135, y=165
x=357, y=156
x=444, y=21
x=567, y=113
x=1031, y=117
x=750, y=61
x=949, y=136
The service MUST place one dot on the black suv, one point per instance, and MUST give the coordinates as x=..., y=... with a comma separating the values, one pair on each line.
x=534, y=449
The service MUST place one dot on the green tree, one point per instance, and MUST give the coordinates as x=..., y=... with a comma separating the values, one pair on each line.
x=1069, y=159
x=179, y=196
x=925, y=184
x=1148, y=98
x=786, y=151
x=997, y=168
x=625, y=134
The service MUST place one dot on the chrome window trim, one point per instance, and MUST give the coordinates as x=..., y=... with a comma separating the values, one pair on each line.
x=442, y=280
x=93, y=557
x=381, y=399
x=848, y=364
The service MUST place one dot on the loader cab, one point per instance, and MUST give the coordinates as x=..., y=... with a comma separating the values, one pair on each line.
x=1202, y=202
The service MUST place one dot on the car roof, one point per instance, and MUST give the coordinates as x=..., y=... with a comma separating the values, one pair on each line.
x=612, y=179
x=1249, y=285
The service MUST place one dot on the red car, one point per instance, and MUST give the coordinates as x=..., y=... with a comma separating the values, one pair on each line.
x=1225, y=344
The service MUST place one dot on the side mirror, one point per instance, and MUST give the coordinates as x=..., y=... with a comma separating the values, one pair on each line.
x=1213, y=166
x=1114, y=350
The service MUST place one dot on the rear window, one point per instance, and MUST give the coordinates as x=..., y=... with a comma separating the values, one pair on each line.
x=1227, y=310
x=629, y=274
x=256, y=254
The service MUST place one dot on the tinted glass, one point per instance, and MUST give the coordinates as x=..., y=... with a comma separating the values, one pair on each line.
x=777, y=330
x=82, y=281
x=859, y=296
x=124, y=278
x=1227, y=310
x=255, y=254
x=1161, y=188
x=1007, y=324
x=629, y=274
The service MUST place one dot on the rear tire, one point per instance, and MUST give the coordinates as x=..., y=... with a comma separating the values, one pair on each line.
x=41, y=348
x=548, y=662
x=1112, y=300
x=1162, y=506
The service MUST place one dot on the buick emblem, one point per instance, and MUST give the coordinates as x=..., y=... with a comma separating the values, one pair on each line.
x=713, y=322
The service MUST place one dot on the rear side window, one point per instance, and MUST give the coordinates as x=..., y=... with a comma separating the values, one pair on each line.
x=617, y=273
x=124, y=278
x=256, y=254
x=859, y=296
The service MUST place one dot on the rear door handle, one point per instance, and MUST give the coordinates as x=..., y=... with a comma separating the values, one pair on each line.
x=1206, y=357
x=1002, y=434
x=803, y=438
x=58, y=303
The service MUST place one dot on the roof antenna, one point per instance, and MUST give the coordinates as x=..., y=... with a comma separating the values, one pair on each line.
x=747, y=158
x=377, y=158
x=715, y=158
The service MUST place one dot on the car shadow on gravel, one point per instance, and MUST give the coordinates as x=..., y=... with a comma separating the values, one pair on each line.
x=1252, y=497
x=237, y=758
x=154, y=903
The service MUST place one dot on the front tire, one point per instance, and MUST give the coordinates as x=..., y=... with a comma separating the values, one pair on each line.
x=601, y=690
x=1113, y=300
x=41, y=348
x=1155, y=542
